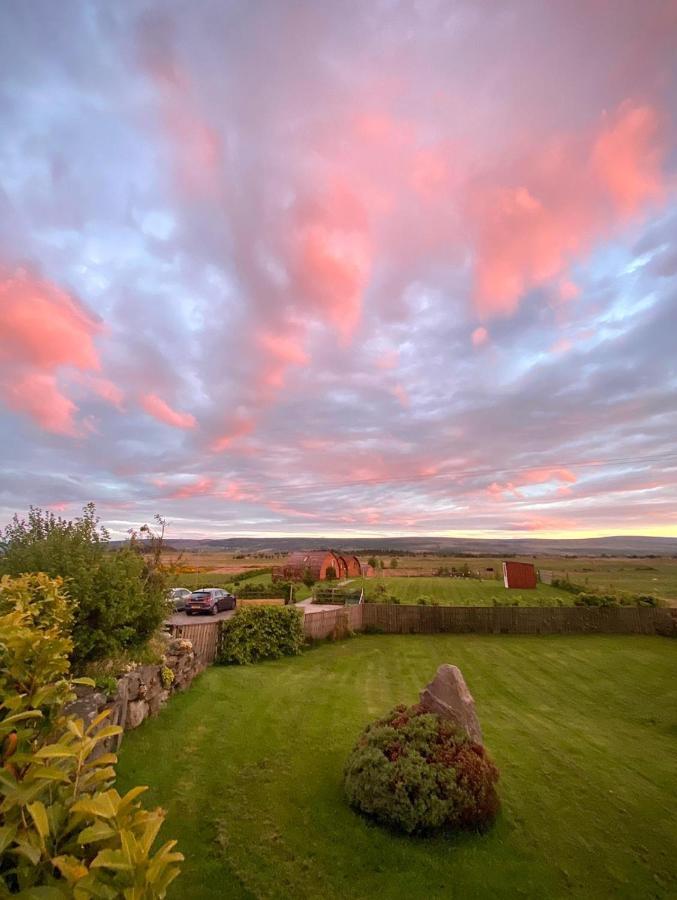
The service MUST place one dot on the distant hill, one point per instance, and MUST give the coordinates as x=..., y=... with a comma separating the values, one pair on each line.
x=620, y=545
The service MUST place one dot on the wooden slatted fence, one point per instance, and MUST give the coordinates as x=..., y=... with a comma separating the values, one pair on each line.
x=337, y=622
x=404, y=619
x=204, y=637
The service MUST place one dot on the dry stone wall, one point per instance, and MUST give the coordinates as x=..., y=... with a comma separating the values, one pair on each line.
x=141, y=692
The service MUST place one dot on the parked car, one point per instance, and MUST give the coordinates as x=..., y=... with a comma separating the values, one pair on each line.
x=178, y=597
x=210, y=600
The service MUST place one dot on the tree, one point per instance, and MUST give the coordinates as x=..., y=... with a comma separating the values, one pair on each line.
x=118, y=596
x=372, y=562
x=394, y=563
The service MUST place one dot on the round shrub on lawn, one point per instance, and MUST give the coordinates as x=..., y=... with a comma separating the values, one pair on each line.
x=416, y=771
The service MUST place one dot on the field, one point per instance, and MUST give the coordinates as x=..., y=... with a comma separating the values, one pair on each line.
x=248, y=764
x=463, y=591
x=650, y=575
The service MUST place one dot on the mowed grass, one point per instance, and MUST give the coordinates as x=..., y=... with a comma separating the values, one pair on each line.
x=464, y=591
x=249, y=761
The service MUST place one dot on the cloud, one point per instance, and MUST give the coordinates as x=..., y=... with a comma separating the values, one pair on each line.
x=43, y=332
x=479, y=336
x=363, y=287
x=160, y=410
x=549, y=208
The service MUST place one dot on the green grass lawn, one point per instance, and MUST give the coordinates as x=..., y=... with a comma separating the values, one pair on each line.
x=248, y=764
x=463, y=591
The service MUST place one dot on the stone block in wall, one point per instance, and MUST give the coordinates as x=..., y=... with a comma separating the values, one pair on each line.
x=137, y=711
x=156, y=703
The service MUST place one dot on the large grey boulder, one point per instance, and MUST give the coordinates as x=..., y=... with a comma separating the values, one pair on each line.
x=448, y=696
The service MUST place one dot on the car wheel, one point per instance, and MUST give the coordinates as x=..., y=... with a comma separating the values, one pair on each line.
x=188, y=613
x=214, y=609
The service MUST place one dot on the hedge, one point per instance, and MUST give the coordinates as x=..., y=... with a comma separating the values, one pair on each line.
x=263, y=632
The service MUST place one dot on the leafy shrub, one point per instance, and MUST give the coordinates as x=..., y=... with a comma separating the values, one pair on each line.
x=646, y=600
x=166, y=677
x=64, y=831
x=263, y=632
x=596, y=600
x=272, y=589
x=563, y=584
x=423, y=600
x=118, y=597
x=107, y=684
x=417, y=772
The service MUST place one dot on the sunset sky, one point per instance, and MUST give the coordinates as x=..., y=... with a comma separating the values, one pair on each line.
x=369, y=268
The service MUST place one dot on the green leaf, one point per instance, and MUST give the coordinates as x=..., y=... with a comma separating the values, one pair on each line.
x=87, y=682
x=100, y=831
x=22, y=716
x=111, y=859
x=30, y=851
x=49, y=773
x=7, y=835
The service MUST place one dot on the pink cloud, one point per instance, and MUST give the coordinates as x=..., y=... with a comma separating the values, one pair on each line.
x=401, y=395
x=388, y=360
x=532, y=220
x=38, y=395
x=197, y=488
x=561, y=346
x=480, y=336
x=158, y=409
x=107, y=390
x=280, y=351
x=239, y=428
x=43, y=330
x=627, y=157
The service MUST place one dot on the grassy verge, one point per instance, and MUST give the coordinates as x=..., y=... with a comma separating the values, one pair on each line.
x=248, y=764
x=463, y=591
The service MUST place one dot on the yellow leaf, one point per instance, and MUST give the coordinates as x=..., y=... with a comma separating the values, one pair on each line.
x=94, y=724
x=75, y=726
x=70, y=867
x=39, y=816
x=99, y=805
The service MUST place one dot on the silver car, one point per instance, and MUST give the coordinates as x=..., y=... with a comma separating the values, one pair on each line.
x=177, y=597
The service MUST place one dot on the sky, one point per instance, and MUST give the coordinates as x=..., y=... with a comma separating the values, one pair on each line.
x=371, y=268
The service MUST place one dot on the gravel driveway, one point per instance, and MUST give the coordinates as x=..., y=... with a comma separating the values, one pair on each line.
x=182, y=618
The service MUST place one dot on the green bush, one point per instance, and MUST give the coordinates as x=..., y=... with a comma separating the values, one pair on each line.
x=118, y=596
x=596, y=600
x=416, y=772
x=263, y=632
x=64, y=830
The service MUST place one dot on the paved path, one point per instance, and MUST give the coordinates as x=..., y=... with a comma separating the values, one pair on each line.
x=309, y=607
